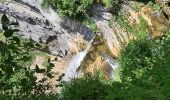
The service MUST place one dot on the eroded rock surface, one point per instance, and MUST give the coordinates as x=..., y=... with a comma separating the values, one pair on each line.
x=114, y=35
x=44, y=26
x=63, y=36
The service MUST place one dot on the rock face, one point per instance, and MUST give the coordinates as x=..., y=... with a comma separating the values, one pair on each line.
x=158, y=20
x=110, y=40
x=45, y=26
x=114, y=35
x=63, y=36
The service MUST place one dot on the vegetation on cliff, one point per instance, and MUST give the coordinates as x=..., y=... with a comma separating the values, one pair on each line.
x=144, y=62
x=144, y=75
x=144, y=69
x=75, y=8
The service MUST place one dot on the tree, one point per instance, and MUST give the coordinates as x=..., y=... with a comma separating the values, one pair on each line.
x=16, y=78
x=145, y=71
x=70, y=8
x=145, y=68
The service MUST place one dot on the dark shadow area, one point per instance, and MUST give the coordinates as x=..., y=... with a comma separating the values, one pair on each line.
x=116, y=7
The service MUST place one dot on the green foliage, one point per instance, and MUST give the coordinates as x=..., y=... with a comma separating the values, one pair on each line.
x=145, y=66
x=77, y=9
x=90, y=87
x=90, y=23
x=140, y=30
x=155, y=6
x=16, y=79
x=134, y=57
x=137, y=6
x=70, y=8
x=110, y=3
x=47, y=3
x=145, y=71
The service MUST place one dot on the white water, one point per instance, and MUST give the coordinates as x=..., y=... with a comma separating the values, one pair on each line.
x=75, y=63
x=112, y=63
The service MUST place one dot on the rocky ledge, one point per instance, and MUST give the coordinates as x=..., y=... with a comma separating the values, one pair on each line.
x=45, y=26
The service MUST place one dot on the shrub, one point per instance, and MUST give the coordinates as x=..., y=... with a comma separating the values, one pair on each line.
x=71, y=8
x=17, y=80
x=145, y=75
x=89, y=87
x=145, y=66
x=110, y=3
x=140, y=30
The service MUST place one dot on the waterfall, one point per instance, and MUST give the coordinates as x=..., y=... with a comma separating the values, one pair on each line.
x=112, y=63
x=75, y=63
x=56, y=21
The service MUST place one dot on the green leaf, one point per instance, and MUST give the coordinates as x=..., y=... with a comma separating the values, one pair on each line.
x=3, y=47
x=17, y=40
x=5, y=20
x=4, y=27
x=9, y=69
x=27, y=58
x=38, y=70
x=49, y=67
x=30, y=43
x=24, y=81
x=8, y=33
x=50, y=76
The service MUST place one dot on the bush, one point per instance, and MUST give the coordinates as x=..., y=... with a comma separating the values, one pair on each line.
x=110, y=3
x=17, y=80
x=145, y=66
x=71, y=8
x=89, y=87
x=145, y=75
x=139, y=30
x=136, y=56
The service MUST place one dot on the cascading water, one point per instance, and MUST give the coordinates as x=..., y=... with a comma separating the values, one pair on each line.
x=75, y=63
x=55, y=20
x=112, y=63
